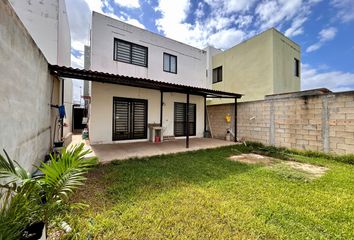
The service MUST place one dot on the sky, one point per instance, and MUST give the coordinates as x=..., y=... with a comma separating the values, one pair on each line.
x=323, y=28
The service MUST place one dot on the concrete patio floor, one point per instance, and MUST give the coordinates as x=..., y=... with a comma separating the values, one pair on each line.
x=121, y=151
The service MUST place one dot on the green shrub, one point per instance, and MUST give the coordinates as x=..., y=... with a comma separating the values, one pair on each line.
x=27, y=200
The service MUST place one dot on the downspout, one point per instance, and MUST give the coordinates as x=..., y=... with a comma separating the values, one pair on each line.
x=62, y=102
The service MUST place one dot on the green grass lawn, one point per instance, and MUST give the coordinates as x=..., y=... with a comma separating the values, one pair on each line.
x=204, y=195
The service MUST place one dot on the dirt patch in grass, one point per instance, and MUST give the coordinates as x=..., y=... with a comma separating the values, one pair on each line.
x=313, y=170
x=309, y=171
x=252, y=158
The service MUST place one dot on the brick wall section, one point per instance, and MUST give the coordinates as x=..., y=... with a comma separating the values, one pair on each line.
x=216, y=119
x=316, y=120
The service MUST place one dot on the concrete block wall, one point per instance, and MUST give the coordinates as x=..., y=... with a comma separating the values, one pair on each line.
x=26, y=91
x=317, y=120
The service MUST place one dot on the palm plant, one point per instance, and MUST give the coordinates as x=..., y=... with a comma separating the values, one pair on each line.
x=23, y=196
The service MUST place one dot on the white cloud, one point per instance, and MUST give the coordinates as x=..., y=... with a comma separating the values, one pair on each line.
x=345, y=9
x=244, y=21
x=327, y=34
x=314, y=47
x=214, y=30
x=80, y=12
x=172, y=21
x=226, y=38
x=231, y=6
x=240, y=5
x=128, y=3
x=333, y=80
x=199, y=12
x=272, y=13
x=324, y=36
x=278, y=13
x=296, y=27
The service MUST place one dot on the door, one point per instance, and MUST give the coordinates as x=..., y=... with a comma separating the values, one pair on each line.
x=129, y=119
x=180, y=119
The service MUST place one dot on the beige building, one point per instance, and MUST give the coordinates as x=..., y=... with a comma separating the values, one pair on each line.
x=268, y=63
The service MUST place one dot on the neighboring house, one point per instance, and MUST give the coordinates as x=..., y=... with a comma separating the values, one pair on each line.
x=47, y=22
x=125, y=112
x=27, y=91
x=268, y=63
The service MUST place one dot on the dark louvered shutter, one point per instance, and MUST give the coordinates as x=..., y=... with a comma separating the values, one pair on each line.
x=121, y=119
x=123, y=51
x=180, y=119
x=130, y=53
x=129, y=119
x=192, y=119
x=139, y=55
x=139, y=119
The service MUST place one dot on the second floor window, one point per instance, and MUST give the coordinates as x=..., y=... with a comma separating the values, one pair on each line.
x=169, y=63
x=296, y=67
x=132, y=53
x=217, y=74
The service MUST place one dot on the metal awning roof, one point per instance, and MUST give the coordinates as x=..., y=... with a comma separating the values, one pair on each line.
x=68, y=72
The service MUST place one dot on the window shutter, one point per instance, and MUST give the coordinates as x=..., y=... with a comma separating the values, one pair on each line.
x=129, y=118
x=180, y=121
x=130, y=53
x=123, y=53
x=139, y=55
x=139, y=119
x=121, y=120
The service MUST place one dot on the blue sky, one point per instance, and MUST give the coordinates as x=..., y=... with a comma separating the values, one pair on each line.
x=323, y=29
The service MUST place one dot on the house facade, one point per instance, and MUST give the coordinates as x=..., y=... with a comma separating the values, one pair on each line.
x=268, y=63
x=47, y=22
x=125, y=113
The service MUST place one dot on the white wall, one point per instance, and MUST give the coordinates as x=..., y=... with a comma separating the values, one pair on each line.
x=211, y=51
x=64, y=37
x=102, y=105
x=47, y=22
x=41, y=20
x=191, y=62
x=25, y=92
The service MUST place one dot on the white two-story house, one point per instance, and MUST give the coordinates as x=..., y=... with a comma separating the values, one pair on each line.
x=124, y=112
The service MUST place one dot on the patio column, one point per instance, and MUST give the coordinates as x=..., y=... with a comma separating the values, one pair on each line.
x=161, y=108
x=235, y=122
x=187, y=122
x=205, y=114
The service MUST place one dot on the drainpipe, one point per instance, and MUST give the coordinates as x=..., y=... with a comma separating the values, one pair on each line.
x=62, y=102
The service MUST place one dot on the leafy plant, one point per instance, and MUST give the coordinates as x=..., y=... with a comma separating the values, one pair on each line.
x=27, y=200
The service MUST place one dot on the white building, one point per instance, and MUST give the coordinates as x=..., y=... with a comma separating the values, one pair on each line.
x=188, y=64
x=47, y=22
x=126, y=111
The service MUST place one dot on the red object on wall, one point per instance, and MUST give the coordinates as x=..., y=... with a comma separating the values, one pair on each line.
x=157, y=139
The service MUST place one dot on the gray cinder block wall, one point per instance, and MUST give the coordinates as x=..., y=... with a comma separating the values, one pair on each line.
x=318, y=120
x=26, y=92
